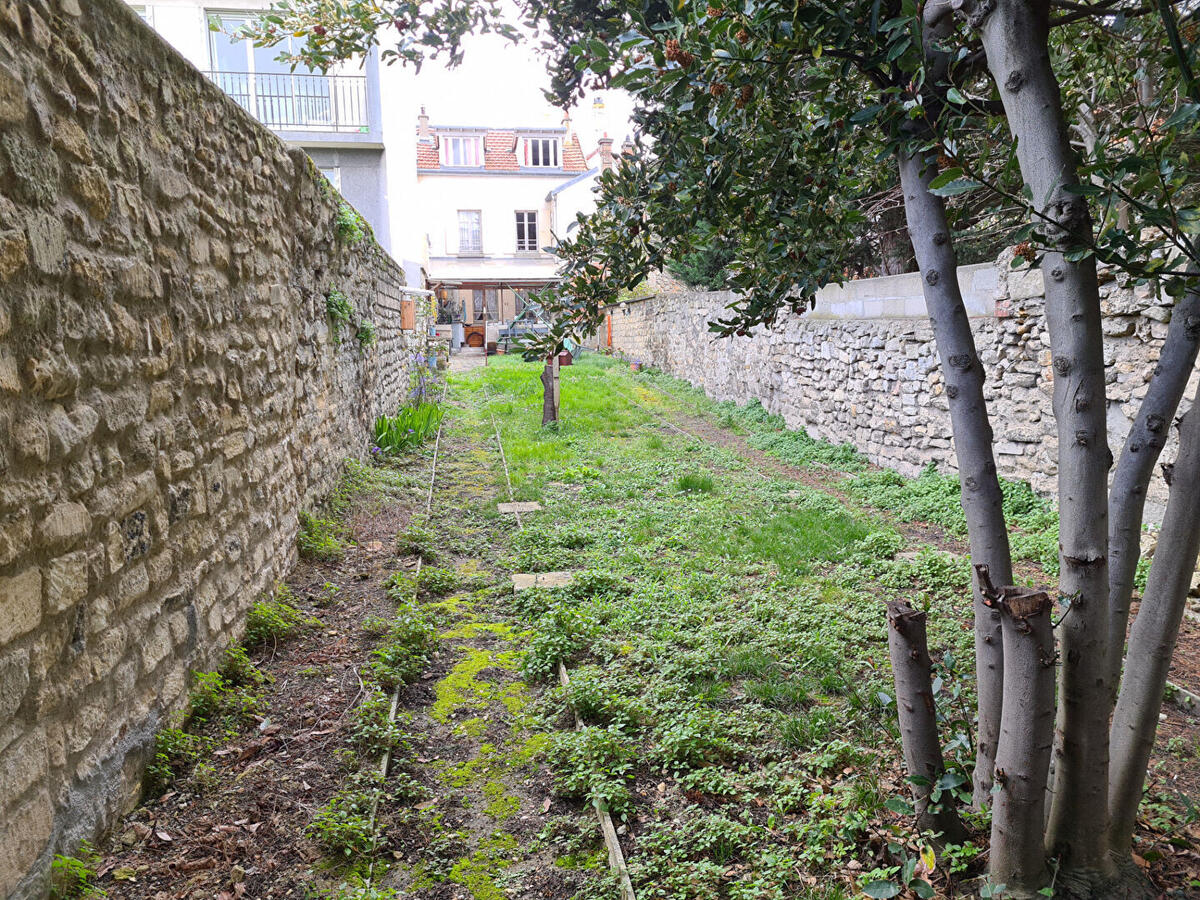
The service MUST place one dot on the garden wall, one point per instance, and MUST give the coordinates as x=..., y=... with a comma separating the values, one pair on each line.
x=863, y=369
x=171, y=395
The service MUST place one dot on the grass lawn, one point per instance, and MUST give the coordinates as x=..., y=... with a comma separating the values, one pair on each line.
x=726, y=639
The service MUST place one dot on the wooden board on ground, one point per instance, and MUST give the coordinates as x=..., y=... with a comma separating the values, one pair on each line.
x=520, y=506
x=522, y=580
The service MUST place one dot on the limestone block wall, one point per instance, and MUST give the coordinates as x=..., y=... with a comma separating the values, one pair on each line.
x=171, y=395
x=864, y=370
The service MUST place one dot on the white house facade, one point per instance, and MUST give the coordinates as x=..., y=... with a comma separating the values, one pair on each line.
x=493, y=202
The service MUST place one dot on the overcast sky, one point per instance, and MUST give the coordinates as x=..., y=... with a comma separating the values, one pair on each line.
x=501, y=84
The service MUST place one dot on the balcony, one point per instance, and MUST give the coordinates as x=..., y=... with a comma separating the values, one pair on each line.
x=292, y=102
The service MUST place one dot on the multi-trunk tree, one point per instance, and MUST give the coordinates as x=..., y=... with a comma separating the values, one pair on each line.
x=771, y=122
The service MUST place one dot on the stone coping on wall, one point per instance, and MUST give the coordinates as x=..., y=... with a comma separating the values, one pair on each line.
x=902, y=296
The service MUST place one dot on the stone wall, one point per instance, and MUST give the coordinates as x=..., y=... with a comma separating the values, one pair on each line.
x=171, y=395
x=863, y=369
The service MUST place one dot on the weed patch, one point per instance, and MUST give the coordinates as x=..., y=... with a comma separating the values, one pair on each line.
x=321, y=539
x=343, y=829
x=73, y=877
x=275, y=619
x=405, y=650
x=692, y=483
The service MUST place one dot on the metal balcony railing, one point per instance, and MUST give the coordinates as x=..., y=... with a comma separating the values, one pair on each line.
x=289, y=102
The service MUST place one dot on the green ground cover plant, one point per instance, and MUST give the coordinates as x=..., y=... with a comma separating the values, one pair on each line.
x=717, y=641
x=726, y=638
x=73, y=877
x=275, y=618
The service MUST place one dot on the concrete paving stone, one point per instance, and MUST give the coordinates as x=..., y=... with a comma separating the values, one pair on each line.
x=523, y=580
x=520, y=506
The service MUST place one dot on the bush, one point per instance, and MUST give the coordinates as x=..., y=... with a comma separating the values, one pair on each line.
x=691, y=741
x=594, y=764
x=340, y=312
x=438, y=582
x=560, y=633
x=174, y=750
x=351, y=227
x=372, y=733
x=417, y=540
x=216, y=696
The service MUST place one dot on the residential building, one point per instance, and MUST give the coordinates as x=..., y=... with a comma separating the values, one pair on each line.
x=336, y=117
x=494, y=200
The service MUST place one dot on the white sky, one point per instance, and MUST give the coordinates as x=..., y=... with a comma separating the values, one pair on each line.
x=501, y=84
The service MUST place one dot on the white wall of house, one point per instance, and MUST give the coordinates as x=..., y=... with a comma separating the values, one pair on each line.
x=497, y=196
x=575, y=196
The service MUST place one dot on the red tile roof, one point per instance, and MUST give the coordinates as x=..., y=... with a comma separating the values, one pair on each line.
x=500, y=153
x=573, y=160
x=427, y=156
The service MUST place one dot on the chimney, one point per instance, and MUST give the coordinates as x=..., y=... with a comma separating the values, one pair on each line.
x=606, y=155
x=627, y=146
x=423, y=133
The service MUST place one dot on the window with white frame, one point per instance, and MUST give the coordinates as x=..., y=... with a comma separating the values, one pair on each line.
x=470, y=231
x=460, y=150
x=542, y=153
x=146, y=14
x=527, y=233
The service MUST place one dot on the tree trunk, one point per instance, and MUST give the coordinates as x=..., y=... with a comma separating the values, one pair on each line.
x=1015, y=36
x=1152, y=640
x=1018, y=855
x=980, y=494
x=915, y=705
x=895, y=246
x=550, y=392
x=1127, y=496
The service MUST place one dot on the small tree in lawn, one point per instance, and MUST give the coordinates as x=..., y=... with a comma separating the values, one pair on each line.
x=767, y=121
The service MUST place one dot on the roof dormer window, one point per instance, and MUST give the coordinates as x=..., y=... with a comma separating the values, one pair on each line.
x=542, y=153
x=463, y=151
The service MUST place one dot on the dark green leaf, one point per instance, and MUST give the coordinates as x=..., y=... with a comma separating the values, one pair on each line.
x=881, y=889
